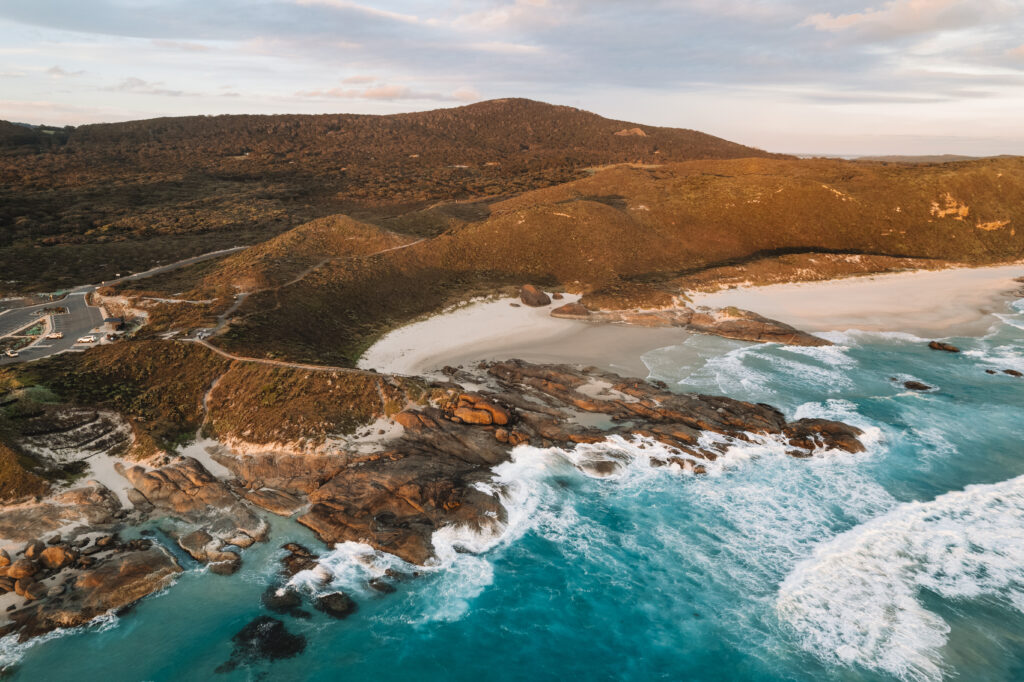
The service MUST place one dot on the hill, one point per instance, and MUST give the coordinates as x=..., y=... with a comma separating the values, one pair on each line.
x=125, y=196
x=629, y=235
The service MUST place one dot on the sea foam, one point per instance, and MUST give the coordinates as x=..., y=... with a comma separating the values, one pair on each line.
x=856, y=599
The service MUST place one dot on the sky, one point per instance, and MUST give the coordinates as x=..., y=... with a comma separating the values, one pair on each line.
x=842, y=77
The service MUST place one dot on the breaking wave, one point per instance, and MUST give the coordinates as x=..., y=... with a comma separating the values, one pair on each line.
x=857, y=599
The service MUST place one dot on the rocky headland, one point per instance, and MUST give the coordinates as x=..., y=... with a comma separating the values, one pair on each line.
x=428, y=466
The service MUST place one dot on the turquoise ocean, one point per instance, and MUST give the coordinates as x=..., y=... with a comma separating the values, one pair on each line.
x=905, y=562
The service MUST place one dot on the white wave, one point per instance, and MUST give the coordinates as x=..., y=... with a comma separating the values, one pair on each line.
x=860, y=337
x=12, y=650
x=856, y=599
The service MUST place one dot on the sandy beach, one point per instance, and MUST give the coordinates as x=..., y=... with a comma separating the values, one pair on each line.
x=956, y=302
x=498, y=330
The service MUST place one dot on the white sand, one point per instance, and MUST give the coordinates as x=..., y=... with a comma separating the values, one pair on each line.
x=495, y=330
x=957, y=302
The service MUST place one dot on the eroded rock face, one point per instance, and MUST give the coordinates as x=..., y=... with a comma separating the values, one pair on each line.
x=395, y=499
x=90, y=505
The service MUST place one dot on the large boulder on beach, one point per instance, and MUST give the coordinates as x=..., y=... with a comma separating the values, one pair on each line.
x=533, y=297
x=573, y=310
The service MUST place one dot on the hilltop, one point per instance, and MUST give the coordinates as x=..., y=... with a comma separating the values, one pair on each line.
x=80, y=205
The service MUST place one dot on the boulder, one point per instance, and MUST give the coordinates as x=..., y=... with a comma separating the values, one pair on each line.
x=5, y=558
x=939, y=345
x=571, y=310
x=226, y=566
x=281, y=599
x=1013, y=373
x=336, y=605
x=34, y=549
x=57, y=557
x=916, y=386
x=22, y=568
x=533, y=297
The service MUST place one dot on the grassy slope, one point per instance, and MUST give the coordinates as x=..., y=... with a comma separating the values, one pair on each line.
x=630, y=232
x=124, y=196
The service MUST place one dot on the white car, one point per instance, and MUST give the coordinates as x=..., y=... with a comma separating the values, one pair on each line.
x=12, y=353
x=86, y=339
x=55, y=335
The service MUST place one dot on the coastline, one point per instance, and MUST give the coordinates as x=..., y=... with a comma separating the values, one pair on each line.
x=950, y=302
x=499, y=330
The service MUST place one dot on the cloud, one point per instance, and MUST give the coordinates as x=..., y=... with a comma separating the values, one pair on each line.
x=365, y=10
x=58, y=72
x=142, y=87
x=359, y=80
x=518, y=14
x=898, y=18
x=497, y=47
x=1017, y=52
x=184, y=46
x=389, y=93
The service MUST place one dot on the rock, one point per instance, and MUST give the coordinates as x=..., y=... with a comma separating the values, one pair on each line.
x=916, y=386
x=734, y=323
x=56, y=591
x=571, y=310
x=6, y=584
x=336, y=604
x=557, y=297
x=275, y=501
x=34, y=549
x=118, y=581
x=438, y=472
x=939, y=345
x=30, y=589
x=106, y=541
x=533, y=297
x=281, y=599
x=298, y=559
x=382, y=586
x=226, y=566
x=139, y=501
x=197, y=544
x=55, y=540
x=5, y=558
x=264, y=639
x=990, y=371
x=1012, y=373
x=22, y=568
x=57, y=557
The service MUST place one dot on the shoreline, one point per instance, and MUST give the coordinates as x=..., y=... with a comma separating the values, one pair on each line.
x=504, y=328
x=951, y=302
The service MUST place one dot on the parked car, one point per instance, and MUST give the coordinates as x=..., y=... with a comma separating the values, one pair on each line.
x=55, y=335
x=12, y=353
x=86, y=339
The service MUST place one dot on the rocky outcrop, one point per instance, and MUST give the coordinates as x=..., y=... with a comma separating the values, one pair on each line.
x=533, y=297
x=90, y=505
x=432, y=476
x=731, y=323
x=212, y=516
x=123, y=576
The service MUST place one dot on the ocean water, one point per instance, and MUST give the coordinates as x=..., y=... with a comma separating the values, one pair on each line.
x=905, y=562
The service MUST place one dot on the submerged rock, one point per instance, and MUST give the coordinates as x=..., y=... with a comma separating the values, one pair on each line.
x=264, y=639
x=337, y=605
